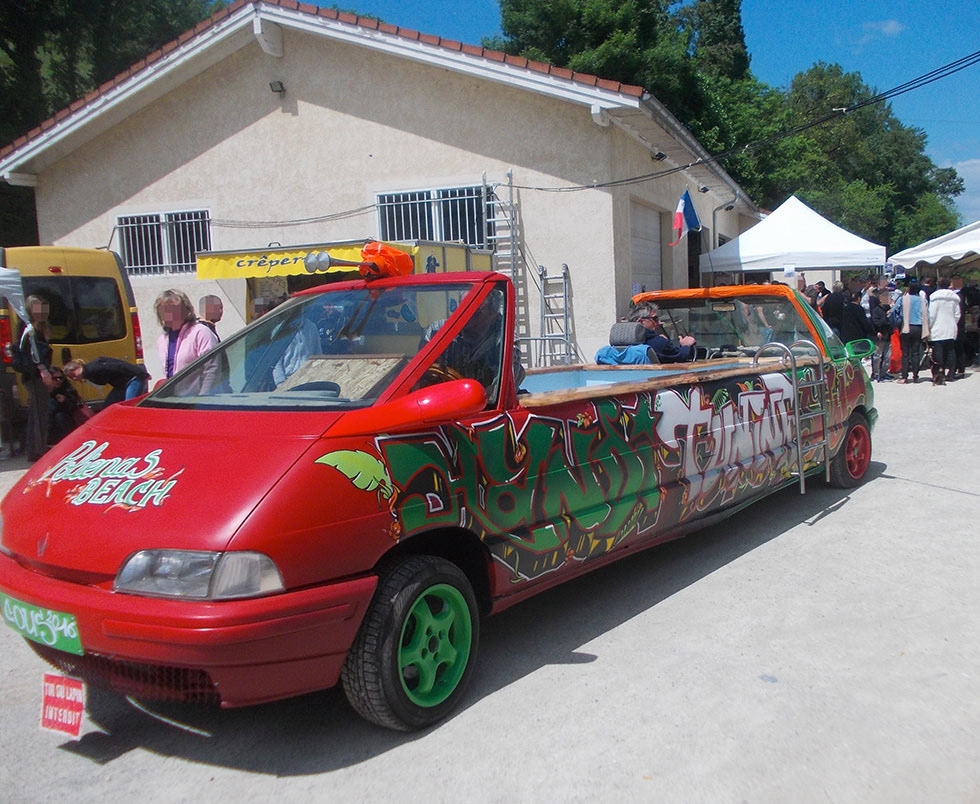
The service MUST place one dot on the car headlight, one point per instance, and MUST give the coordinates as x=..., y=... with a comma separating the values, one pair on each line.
x=198, y=575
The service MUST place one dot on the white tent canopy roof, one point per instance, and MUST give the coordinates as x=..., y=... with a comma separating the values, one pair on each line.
x=959, y=246
x=793, y=234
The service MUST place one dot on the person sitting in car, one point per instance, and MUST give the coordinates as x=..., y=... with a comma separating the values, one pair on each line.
x=667, y=351
x=477, y=351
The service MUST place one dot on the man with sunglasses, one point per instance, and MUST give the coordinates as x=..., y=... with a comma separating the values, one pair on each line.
x=656, y=338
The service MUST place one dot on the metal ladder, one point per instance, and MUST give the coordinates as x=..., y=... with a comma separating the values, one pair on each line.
x=502, y=234
x=814, y=411
x=555, y=344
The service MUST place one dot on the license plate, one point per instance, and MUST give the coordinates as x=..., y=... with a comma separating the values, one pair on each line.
x=44, y=626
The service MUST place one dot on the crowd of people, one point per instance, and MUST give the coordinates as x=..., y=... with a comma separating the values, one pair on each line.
x=54, y=405
x=920, y=327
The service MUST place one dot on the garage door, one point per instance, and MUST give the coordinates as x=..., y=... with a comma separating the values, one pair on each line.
x=645, y=247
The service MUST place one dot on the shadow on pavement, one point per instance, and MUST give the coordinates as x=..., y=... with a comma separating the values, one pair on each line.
x=319, y=732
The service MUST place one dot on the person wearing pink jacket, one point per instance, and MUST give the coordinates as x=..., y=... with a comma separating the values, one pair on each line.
x=183, y=340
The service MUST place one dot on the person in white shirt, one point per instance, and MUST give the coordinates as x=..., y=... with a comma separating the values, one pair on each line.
x=944, y=316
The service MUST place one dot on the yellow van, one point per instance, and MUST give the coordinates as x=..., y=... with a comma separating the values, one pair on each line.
x=93, y=313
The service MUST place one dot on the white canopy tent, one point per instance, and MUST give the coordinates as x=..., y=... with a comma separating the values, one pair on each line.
x=793, y=235
x=954, y=250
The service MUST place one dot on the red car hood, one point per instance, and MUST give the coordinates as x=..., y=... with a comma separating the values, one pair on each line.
x=136, y=478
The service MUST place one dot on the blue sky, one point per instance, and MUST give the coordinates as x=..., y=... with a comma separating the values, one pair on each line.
x=888, y=42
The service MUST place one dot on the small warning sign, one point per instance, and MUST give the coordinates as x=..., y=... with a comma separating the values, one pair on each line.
x=62, y=704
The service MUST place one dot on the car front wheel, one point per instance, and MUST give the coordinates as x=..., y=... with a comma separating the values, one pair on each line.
x=411, y=659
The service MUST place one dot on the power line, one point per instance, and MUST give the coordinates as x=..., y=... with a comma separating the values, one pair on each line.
x=925, y=80
x=335, y=216
x=915, y=83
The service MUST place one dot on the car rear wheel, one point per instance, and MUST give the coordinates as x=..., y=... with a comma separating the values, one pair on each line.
x=851, y=462
x=411, y=659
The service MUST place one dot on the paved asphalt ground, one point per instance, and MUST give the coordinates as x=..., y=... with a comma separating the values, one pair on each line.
x=816, y=648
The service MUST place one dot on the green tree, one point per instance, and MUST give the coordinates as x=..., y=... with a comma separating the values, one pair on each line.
x=875, y=177
x=718, y=38
x=53, y=52
x=927, y=218
x=633, y=41
x=862, y=168
x=24, y=27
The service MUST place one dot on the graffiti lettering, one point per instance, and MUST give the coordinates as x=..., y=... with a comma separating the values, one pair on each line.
x=545, y=490
x=128, y=494
x=552, y=491
x=132, y=483
x=87, y=462
x=716, y=445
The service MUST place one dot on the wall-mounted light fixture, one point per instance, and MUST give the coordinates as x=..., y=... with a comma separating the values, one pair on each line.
x=659, y=156
x=728, y=206
x=702, y=189
x=278, y=86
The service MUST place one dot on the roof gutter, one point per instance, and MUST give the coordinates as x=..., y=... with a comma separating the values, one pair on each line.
x=682, y=135
x=109, y=101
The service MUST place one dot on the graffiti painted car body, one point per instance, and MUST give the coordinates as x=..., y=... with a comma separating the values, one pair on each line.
x=359, y=480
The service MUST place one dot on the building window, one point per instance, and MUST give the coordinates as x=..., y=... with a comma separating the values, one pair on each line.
x=457, y=214
x=163, y=243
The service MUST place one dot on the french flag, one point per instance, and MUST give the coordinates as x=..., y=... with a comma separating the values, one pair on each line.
x=685, y=218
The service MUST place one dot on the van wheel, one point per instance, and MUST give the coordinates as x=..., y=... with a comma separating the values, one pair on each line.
x=850, y=464
x=414, y=654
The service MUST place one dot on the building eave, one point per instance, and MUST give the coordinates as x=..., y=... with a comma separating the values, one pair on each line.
x=663, y=134
x=262, y=22
x=243, y=23
x=114, y=101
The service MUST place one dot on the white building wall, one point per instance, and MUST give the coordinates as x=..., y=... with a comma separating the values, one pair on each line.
x=354, y=123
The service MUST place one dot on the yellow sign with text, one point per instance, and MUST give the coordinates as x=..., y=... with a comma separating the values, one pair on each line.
x=274, y=262
x=427, y=256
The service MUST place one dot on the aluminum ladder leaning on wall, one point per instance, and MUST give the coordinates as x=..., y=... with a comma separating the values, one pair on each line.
x=554, y=344
x=502, y=234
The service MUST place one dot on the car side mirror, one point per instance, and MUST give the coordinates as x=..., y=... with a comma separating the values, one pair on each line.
x=434, y=404
x=860, y=348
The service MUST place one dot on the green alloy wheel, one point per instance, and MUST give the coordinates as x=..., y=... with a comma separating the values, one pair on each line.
x=411, y=660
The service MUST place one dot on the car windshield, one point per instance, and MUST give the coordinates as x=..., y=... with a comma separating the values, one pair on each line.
x=742, y=324
x=334, y=350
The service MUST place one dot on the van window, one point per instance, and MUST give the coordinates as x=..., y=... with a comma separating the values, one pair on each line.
x=83, y=309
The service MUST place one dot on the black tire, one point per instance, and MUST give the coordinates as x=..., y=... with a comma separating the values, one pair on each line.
x=415, y=651
x=850, y=464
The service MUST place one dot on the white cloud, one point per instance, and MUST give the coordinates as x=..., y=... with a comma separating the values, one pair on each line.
x=878, y=29
x=968, y=203
x=884, y=27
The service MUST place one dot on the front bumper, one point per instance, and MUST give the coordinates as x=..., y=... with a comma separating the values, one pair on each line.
x=249, y=651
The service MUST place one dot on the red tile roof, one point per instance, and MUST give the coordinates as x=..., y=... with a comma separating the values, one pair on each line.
x=341, y=16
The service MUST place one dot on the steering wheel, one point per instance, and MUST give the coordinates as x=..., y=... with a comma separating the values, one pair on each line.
x=437, y=373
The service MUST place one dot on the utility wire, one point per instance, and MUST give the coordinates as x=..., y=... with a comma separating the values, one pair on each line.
x=924, y=80
x=915, y=83
x=335, y=216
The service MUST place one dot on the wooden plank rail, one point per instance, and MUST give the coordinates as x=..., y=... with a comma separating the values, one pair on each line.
x=660, y=377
